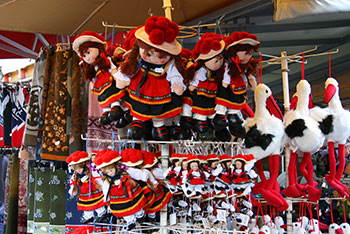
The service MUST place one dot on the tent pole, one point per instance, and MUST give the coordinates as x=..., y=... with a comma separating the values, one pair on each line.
x=167, y=8
x=163, y=212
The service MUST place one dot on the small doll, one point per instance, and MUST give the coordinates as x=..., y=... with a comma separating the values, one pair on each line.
x=173, y=176
x=232, y=93
x=222, y=174
x=124, y=196
x=194, y=178
x=209, y=72
x=87, y=184
x=91, y=48
x=152, y=75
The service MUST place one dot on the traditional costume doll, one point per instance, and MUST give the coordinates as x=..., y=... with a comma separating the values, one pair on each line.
x=222, y=174
x=209, y=71
x=173, y=176
x=87, y=184
x=194, y=178
x=97, y=67
x=152, y=77
x=232, y=93
x=123, y=195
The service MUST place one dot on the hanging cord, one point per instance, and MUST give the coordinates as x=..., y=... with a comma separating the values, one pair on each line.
x=302, y=68
x=318, y=215
x=311, y=218
x=330, y=203
x=330, y=67
x=112, y=39
x=262, y=213
x=344, y=211
x=260, y=62
x=257, y=215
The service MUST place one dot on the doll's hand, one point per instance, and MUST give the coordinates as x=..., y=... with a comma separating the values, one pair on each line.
x=85, y=178
x=225, y=85
x=191, y=87
x=178, y=89
x=117, y=182
x=252, y=82
x=72, y=191
x=121, y=84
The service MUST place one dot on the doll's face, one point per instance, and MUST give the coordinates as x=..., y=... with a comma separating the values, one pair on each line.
x=79, y=168
x=90, y=55
x=110, y=170
x=184, y=166
x=244, y=56
x=238, y=164
x=177, y=163
x=153, y=57
x=215, y=63
x=214, y=164
x=194, y=166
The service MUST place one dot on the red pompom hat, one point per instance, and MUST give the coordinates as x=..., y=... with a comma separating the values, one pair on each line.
x=212, y=157
x=132, y=157
x=88, y=36
x=225, y=157
x=149, y=159
x=247, y=158
x=160, y=33
x=77, y=157
x=192, y=158
x=105, y=158
x=241, y=38
x=209, y=46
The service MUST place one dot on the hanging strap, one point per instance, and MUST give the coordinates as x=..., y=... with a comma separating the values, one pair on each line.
x=330, y=67
x=257, y=216
x=142, y=81
x=344, y=211
x=302, y=68
x=330, y=203
x=318, y=215
x=260, y=62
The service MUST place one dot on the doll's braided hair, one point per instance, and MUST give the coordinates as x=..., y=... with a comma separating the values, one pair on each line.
x=100, y=62
x=248, y=68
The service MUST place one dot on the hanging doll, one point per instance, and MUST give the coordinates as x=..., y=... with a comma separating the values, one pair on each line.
x=87, y=184
x=232, y=95
x=209, y=71
x=152, y=76
x=91, y=48
x=124, y=196
x=222, y=174
x=173, y=176
x=194, y=178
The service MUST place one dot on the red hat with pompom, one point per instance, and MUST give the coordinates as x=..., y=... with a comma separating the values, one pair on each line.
x=225, y=157
x=159, y=32
x=149, y=159
x=247, y=158
x=105, y=158
x=132, y=157
x=209, y=46
x=88, y=36
x=77, y=157
x=192, y=158
x=241, y=38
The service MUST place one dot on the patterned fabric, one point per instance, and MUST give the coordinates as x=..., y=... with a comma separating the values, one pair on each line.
x=31, y=191
x=57, y=210
x=94, y=128
x=12, y=215
x=23, y=196
x=73, y=215
x=54, y=138
x=1, y=119
x=7, y=115
x=41, y=199
x=7, y=187
x=34, y=107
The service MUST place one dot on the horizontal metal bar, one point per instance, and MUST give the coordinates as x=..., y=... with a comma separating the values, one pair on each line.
x=16, y=51
x=18, y=46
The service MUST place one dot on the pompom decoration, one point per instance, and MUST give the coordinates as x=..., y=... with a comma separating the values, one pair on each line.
x=109, y=155
x=208, y=42
x=76, y=156
x=161, y=29
x=236, y=36
x=130, y=39
x=93, y=34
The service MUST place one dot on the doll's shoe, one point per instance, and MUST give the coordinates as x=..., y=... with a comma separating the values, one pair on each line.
x=174, y=132
x=116, y=113
x=236, y=125
x=104, y=120
x=210, y=124
x=223, y=135
x=136, y=130
x=105, y=218
x=185, y=122
x=85, y=221
x=160, y=133
x=201, y=127
x=131, y=226
x=220, y=122
x=184, y=134
x=124, y=121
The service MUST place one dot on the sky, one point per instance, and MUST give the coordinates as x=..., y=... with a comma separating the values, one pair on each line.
x=9, y=65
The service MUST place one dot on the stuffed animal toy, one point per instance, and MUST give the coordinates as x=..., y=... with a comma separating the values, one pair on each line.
x=87, y=184
x=91, y=48
x=152, y=77
x=124, y=196
x=209, y=71
x=231, y=97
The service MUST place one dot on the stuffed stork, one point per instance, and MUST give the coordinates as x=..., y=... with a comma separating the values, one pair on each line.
x=265, y=138
x=304, y=135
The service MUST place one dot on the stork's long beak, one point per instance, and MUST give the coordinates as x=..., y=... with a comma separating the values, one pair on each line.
x=284, y=226
x=339, y=231
x=329, y=93
x=273, y=108
x=323, y=226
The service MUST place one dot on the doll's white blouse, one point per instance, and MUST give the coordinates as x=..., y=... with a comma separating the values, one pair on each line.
x=200, y=75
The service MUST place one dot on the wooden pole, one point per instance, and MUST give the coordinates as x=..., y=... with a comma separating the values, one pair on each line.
x=167, y=8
